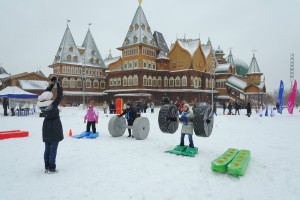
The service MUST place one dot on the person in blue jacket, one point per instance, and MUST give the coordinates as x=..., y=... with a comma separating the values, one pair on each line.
x=130, y=114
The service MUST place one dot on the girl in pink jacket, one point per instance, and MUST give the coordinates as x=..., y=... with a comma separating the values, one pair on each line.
x=92, y=118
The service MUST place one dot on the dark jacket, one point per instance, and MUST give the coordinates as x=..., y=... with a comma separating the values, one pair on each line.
x=248, y=108
x=52, y=127
x=5, y=104
x=130, y=115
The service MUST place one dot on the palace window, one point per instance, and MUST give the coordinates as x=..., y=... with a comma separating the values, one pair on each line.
x=124, y=81
x=148, y=29
x=126, y=41
x=92, y=60
x=166, y=81
x=154, y=82
x=69, y=58
x=93, y=52
x=143, y=26
x=115, y=82
x=119, y=81
x=111, y=82
x=150, y=81
x=184, y=81
x=95, y=84
x=71, y=49
x=159, y=81
x=131, y=28
x=177, y=81
x=72, y=83
x=102, y=84
x=136, y=26
x=88, y=83
x=171, y=82
x=135, y=80
x=65, y=83
x=79, y=83
x=206, y=82
x=145, y=80
x=130, y=80
x=75, y=59
x=135, y=39
x=135, y=64
x=145, y=39
x=97, y=61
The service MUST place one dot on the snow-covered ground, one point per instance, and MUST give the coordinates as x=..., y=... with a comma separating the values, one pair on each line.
x=124, y=168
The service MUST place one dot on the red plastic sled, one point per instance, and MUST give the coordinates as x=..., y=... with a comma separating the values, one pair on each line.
x=13, y=134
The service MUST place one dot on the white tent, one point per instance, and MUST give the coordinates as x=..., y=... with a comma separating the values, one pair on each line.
x=16, y=92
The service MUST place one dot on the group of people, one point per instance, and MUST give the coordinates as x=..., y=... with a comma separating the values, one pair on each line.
x=10, y=104
x=236, y=105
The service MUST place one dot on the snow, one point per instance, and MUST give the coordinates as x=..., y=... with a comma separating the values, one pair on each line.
x=2, y=76
x=124, y=168
x=80, y=93
x=206, y=50
x=107, y=62
x=33, y=84
x=222, y=68
x=233, y=81
x=190, y=45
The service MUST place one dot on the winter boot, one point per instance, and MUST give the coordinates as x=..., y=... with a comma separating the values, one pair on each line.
x=52, y=169
x=47, y=167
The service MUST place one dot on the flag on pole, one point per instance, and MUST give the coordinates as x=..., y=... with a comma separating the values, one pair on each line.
x=292, y=98
x=280, y=97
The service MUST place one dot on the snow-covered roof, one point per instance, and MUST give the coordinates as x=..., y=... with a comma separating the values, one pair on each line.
x=240, y=66
x=224, y=97
x=190, y=45
x=206, y=50
x=161, y=42
x=163, y=90
x=222, y=68
x=253, y=68
x=67, y=48
x=79, y=93
x=162, y=55
x=4, y=76
x=139, y=30
x=133, y=95
x=109, y=61
x=33, y=84
x=236, y=83
x=16, y=92
x=91, y=56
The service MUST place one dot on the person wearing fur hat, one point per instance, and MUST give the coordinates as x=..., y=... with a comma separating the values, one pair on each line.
x=187, y=125
x=52, y=127
x=130, y=116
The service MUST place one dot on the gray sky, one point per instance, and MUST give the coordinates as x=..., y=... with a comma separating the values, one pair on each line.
x=31, y=30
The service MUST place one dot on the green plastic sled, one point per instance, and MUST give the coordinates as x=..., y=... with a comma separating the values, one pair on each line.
x=184, y=151
x=220, y=164
x=239, y=164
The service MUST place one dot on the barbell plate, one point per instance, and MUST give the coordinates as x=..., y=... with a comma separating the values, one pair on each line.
x=117, y=126
x=201, y=127
x=141, y=128
x=168, y=119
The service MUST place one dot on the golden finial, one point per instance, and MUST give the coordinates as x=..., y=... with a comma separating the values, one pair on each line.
x=140, y=2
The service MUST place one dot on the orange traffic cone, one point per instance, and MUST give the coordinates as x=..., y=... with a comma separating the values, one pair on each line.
x=70, y=133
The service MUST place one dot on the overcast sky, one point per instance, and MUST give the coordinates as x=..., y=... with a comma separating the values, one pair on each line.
x=31, y=30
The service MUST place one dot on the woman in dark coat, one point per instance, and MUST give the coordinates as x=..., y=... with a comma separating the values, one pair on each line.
x=130, y=116
x=249, y=110
x=229, y=108
x=52, y=127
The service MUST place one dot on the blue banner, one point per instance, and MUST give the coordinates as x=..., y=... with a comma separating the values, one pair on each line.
x=280, y=97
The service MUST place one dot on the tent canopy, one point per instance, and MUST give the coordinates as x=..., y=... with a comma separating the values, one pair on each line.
x=16, y=92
